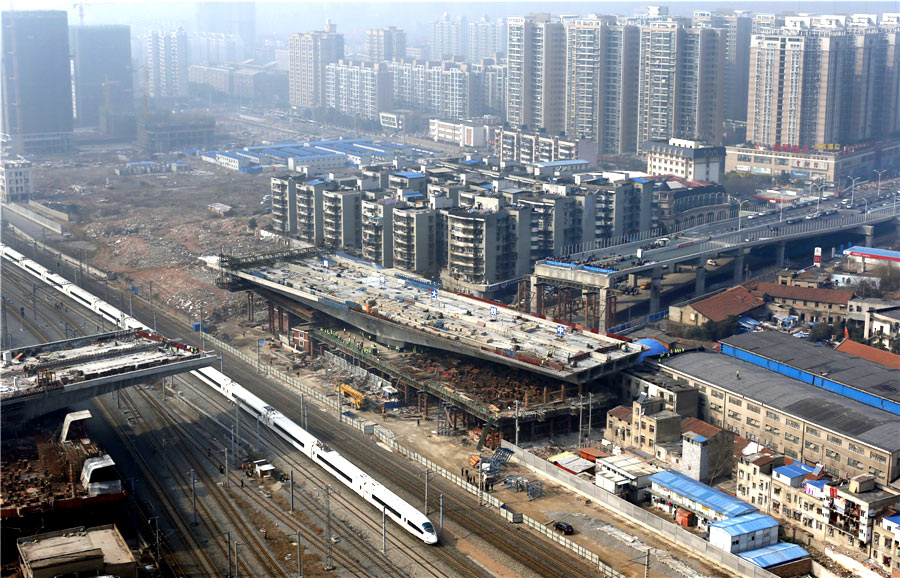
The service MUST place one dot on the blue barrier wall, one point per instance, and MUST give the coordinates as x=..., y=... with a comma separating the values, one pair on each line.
x=812, y=379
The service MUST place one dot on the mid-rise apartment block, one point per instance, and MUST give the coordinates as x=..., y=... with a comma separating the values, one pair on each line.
x=492, y=76
x=284, y=204
x=415, y=239
x=681, y=85
x=486, y=246
x=449, y=90
x=387, y=43
x=536, y=61
x=358, y=89
x=310, y=54
x=16, y=184
x=310, y=211
x=601, y=84
x=342, y=218
x=168, y=59
x=378, y=229
x=689, y=159
x=530, y=147
x=554, y=224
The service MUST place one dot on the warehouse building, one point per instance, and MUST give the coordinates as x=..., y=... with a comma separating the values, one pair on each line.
x=671, y=491
x=791, y=416
x=748, y=532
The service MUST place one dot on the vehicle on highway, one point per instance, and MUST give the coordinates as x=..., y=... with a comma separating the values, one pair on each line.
x=811, y=216
x=646, y=284
x=712, y=263
x=793, y=221
x=564, y=528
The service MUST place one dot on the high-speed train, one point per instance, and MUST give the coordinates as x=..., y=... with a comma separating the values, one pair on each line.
x=408, y=517
x=110, y=313
x=394, y=507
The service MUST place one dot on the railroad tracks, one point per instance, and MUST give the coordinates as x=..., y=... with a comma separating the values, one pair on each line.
x=400, y=544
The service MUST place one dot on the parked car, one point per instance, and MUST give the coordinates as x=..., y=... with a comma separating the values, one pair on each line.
x=564, y=528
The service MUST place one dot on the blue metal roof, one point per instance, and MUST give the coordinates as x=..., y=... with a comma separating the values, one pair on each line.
x=655, y=347
x=817, y=483
x=315, y=182
x=876, y=252
x=712, y=498
x=471, y=162
x=746, y=524
x=775, y=555
x=409, y=174
x=562, y=163
x=795, y=470
x=895, y=518
x=700, y=439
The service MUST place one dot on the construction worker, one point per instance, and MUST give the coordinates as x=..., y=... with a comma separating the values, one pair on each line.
x=738, y=373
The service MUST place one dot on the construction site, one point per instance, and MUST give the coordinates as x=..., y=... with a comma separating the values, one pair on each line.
x=472, y=365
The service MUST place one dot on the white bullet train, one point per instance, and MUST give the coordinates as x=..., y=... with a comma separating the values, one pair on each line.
x=63, y=285
x=405, y=515
x=408, y=517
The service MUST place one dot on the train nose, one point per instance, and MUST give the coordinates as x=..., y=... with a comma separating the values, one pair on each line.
x=431, y=538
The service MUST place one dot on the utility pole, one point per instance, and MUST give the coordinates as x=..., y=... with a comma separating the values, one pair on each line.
x=257, y=433
x=202, y=341
x=590, y=411
x=130, y=308
x=228, y=554
x=383, y=531
x=194, y=496
x=442, y=516
x=517, y=423
x=237, y=426
x=237, y=568
x=426, y=491
x=233, y=451
x=329, y=563
x=647, y=565
x=299, y=553
x=225, y=452
x=580, y=421
x=292, y=490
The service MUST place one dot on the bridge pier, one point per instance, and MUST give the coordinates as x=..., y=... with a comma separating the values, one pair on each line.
x=655, y=278
x=739, y=267
x=700, y=279
x=869, y=232
x=779, y=254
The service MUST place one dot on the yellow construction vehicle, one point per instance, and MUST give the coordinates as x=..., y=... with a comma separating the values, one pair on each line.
x=356, y=398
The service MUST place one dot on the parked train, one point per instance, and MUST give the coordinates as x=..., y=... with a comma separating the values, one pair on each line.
x=110, y=313
x=394, y=507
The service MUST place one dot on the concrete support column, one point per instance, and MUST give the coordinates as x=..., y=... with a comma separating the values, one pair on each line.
x=700, y=279
x=779, y=254
x=655, y=278
x=739, y=267
x=271, y=317
x=897, y=224
x=633, y=279
x=869, y=232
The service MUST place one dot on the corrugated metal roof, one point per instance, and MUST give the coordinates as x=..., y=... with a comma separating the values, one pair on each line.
x=775, y=555
x=895, y=518
x=795, y=470
x=883, y=253
x=712, y=498
x=745, y=524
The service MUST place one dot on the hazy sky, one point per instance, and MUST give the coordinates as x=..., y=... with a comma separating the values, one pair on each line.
x=353, y=18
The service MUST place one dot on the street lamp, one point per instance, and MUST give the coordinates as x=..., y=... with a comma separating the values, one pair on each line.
x=853, y=188
x=879, y=173
x=866, y=210
x=739, y=213
x=818, y=187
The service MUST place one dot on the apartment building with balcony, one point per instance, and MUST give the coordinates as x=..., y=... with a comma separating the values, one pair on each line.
x=359, y=89
x=486, y=246
x=529, y=148
x=378, y=229
x=342, y=218
x=310, y=214
x=284, y=204
x=554, y=224
x=608, y=209
x=416, y=237
x=536, y=61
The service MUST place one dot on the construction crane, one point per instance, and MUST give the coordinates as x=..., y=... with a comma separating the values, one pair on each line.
x=356, y=398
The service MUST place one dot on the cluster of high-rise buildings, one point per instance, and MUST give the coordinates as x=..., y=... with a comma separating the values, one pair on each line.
x=621, y=82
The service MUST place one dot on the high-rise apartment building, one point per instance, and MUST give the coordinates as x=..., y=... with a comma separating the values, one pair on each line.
x=796, y=94
x=601, y=83
x=358, y=89
x=387, y=43
x=492, y=77
x=737, y=26
x=449, y=90
x=36, y=81
x=447, y=38
x=536, y=61
x=310, y=53
x=485, y=39
x=235, y=19
x=101, y=71
x=167, y=64
x=681, y=85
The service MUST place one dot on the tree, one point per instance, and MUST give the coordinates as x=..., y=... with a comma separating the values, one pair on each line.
x=820, y=332
x=252, y=223
x=888, y=278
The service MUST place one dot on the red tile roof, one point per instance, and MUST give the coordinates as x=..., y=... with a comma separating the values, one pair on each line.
x=761, y=289
x=698, y=426
x=621, y=412
x=879, y=356
x=735, y=301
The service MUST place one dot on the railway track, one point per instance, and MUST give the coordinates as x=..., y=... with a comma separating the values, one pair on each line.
x=267, y=562
x=533, y=551
x=407, y=546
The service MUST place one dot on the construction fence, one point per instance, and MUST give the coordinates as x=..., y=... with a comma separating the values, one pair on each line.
x=669, y=531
